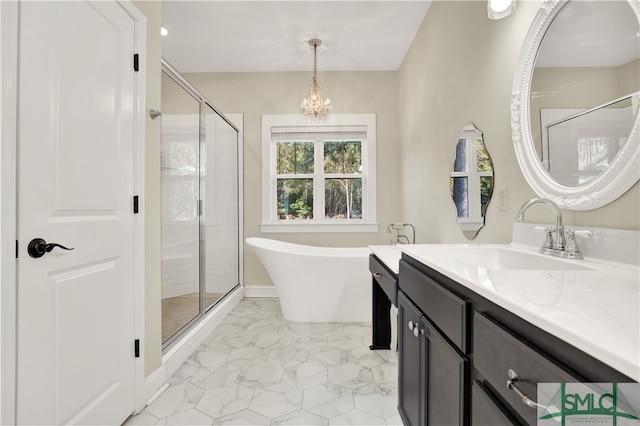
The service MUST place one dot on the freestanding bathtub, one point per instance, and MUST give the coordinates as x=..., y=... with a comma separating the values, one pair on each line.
x=318, y=284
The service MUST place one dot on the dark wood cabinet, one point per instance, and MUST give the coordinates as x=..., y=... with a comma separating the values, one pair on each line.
x=411, y=363
x=447, y=377
x=487, y=410
x=454, y=367
x=384, y=291
x=433, y=374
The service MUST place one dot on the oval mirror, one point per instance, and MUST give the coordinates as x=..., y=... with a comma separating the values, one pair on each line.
x=574, y=111
x=471, y=181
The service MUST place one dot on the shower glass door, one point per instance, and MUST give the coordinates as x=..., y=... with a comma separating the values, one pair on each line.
x=200, y=206
x=181, y=186
x=221, y=207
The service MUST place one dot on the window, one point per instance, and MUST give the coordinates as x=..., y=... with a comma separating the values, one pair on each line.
x=471, y=182
x=180, y=174
x=318, y=177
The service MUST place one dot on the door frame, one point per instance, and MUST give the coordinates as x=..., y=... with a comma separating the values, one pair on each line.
x=9, y=29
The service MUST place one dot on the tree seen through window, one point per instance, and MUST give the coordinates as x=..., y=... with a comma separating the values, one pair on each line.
x=339, y=181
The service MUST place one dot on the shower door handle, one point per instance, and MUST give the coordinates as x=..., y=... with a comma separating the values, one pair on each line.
x=39, y=247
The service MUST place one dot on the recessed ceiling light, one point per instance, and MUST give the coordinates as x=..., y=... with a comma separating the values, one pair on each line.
x=164, y=31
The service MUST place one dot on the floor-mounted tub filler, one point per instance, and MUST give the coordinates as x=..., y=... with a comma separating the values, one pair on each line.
x=318, y=284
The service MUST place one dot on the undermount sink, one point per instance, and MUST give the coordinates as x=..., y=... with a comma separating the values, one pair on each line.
x=495, y=257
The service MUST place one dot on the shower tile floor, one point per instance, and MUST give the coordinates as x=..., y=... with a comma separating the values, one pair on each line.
x=257, y=368
x=178, y=311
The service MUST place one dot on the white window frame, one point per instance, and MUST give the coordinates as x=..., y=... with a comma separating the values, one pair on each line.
x=296, y=123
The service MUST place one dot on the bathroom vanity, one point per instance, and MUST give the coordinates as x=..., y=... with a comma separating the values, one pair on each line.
x=383, y=265
x=479, y=326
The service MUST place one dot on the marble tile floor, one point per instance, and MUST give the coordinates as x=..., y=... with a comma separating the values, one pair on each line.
x=257, y=368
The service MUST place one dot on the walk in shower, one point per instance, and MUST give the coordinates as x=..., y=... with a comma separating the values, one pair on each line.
x=200, y=205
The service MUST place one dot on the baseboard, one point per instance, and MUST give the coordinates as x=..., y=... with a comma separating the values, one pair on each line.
x=178, y=354
x=153, y=383
x=260, y=291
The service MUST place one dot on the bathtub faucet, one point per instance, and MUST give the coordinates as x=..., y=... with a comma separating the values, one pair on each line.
x=401, y=238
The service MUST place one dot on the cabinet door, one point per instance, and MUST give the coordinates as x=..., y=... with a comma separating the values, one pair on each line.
x=410, y=364
x=447, y=375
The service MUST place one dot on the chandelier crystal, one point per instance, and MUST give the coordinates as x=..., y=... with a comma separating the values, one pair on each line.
x=315, y=105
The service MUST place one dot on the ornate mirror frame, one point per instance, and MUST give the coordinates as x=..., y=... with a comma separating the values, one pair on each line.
x=621, y=174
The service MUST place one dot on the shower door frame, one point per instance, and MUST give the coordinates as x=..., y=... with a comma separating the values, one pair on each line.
x=204, y=103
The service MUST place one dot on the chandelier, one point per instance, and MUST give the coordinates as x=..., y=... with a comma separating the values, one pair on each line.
x=315, y=105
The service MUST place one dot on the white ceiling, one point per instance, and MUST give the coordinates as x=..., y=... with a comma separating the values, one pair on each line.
x=237, y=36
x=362, y=35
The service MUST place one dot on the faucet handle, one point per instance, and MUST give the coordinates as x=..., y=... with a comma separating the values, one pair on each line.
x=571, y=249
x=548, y=240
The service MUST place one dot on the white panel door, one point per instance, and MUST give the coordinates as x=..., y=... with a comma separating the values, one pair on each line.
x=76, y=182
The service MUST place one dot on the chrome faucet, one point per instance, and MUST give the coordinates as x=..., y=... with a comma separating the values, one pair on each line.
x=555, y=242
x=401, y=238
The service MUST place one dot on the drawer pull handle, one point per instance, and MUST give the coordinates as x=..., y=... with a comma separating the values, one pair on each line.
x=377, y=275
x=511, y=384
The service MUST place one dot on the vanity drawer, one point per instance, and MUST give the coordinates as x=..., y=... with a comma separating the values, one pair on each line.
x=447, y=311
x=486, y=411
x=385, y=278
x=496, y=351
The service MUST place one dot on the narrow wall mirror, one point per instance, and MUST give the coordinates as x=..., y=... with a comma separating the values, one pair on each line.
x=471, y=181
x=574, y=112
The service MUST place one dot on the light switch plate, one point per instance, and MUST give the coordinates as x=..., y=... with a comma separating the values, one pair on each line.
x=503, y=199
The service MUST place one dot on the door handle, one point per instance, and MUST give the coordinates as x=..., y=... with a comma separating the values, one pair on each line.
x=39, y=247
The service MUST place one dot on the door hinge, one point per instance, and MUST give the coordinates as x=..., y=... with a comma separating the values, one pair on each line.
x=136, y=62
x=136, y=204
x=136, y=348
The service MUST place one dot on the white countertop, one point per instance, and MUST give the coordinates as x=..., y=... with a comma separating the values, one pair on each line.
x=596, y=310
x=389, y=255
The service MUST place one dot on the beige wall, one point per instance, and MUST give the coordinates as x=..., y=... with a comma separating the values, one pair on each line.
x=151, y=201
x=254, y=94
x=460, y=68
x=629, y=77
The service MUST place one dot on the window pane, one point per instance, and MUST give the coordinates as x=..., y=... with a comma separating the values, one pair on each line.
x=343, y=157
x=460, y=194
x=181, y=158
x=460, y=163
x=294, y=157
x=295, y=199
x=486, y=189
x=343, y=198
x=180, y=199
x=484, y=161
